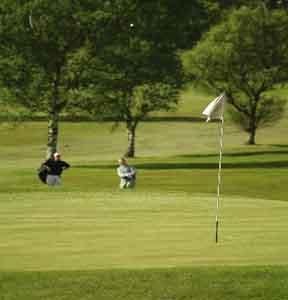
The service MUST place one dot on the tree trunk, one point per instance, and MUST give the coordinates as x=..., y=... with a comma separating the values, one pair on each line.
x=251, y=140
x=52, y=133
x=252, y=130
x=131, y=129
x=53, y=122
x=253, y=122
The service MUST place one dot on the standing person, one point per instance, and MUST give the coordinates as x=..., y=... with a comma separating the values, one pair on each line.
x=55, y=166
x=126, y=173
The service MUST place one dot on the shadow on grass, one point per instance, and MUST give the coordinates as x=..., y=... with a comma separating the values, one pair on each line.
x=208, y=165
x=5, y=117
x=187, y=165
x=280, y=145
x=240, y=154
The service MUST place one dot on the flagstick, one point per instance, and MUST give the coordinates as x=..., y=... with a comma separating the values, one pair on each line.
x=221, y=135
x=215, y=110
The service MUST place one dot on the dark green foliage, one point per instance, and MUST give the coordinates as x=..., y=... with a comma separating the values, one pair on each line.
x=276, y=4
x=138, y=69
x=246, y=56
x=270, y=110
x=39, y=39
x=93, y=54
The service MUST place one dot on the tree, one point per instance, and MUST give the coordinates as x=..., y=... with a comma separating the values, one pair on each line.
x=127, y=82
x=246, y=56
x=216, y=7
x=43, y=39
x=139, y=71
x=276, y=4
x=38, y=41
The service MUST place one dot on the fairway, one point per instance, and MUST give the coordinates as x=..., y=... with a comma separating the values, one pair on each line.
x=88, y=231
x=89, y=240
x=144, y=150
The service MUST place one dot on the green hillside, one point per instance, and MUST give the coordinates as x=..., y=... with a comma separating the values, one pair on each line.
x=167, y=222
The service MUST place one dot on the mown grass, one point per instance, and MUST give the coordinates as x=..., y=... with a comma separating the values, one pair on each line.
x=170, y=156
x=87, y=231
x=260, y=176
x=167, y=222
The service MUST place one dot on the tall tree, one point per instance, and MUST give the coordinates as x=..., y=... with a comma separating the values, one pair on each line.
x=38, y=41
x=276, y=4
x=246, y=56
x=139, y=71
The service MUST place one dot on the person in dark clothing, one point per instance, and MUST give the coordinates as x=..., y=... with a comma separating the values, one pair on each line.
x=55, y=166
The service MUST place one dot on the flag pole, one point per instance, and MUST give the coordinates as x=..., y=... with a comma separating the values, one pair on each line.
x=221, y=135
x=215, y=110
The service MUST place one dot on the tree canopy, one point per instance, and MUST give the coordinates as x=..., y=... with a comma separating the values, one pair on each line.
x=120, y=58
x=139, y=71
x=246, y=56
x=39, y=39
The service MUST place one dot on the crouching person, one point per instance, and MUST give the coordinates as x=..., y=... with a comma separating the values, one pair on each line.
x=127, y=174
x=55, y=166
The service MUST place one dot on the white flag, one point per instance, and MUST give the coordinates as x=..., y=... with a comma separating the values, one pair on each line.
x=215, y=109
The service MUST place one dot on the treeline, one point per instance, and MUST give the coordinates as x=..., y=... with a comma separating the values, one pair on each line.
x=123, y=59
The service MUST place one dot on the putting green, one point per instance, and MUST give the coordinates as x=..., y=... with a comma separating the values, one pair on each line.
x=80, y=231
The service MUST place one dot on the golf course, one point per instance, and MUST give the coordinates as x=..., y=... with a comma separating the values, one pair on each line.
x=89, y=240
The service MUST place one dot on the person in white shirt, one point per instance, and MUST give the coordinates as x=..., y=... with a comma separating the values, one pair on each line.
x=126, y=173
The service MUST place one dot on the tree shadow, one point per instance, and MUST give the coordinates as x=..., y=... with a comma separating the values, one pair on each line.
x=236, y=165
x=279, y=145
x=283, y=163
x=200, y=165
x=238, y=154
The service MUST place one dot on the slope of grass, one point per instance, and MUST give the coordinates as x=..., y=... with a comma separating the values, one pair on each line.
x=94, y=141
x=260, y=176
x=167, y=222
x=170, y=156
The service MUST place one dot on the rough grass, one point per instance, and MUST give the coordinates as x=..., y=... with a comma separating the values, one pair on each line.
x=219, y=283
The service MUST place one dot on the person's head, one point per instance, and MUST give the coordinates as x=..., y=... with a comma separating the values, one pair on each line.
x=122, y=161
x=56, y=156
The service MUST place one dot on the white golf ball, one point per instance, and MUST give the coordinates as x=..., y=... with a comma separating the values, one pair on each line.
x=131, y=25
